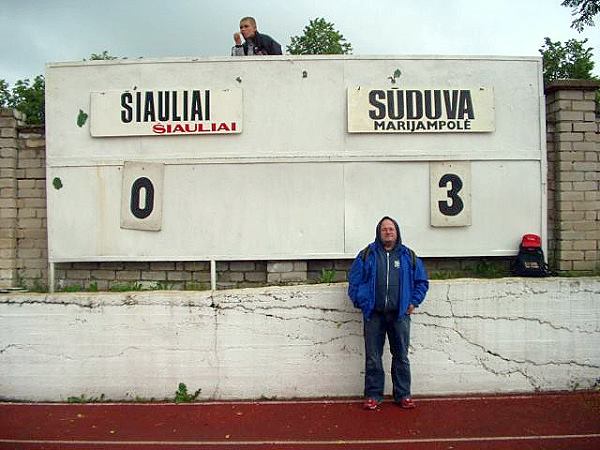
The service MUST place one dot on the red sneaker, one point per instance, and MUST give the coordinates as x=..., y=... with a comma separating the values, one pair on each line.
x=407, y=403
x=371, y=404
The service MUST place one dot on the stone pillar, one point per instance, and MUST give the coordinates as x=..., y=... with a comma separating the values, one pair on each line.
x=573, y=175
x=32, y=236
x=9, y=120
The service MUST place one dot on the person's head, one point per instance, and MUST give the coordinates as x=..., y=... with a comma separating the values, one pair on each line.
x=388, y=233
x=248, y=27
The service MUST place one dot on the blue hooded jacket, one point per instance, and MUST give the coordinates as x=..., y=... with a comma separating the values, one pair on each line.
x=362, y=277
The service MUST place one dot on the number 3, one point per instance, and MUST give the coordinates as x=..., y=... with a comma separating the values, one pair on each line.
x=454, y=205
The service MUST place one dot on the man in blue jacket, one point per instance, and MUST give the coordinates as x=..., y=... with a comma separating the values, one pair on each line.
x=387, y=282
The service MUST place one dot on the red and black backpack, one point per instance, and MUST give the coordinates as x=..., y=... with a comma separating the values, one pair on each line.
x=530, y=261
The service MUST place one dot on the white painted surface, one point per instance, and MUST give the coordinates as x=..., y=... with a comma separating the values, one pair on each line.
x=207, y=214
x=294, y=184
x=493, y=192
x=469, y=336
x=302, y=117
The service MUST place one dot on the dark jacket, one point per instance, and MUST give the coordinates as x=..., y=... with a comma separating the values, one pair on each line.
x=363, y=276
x=263, y=45
x=389, y=275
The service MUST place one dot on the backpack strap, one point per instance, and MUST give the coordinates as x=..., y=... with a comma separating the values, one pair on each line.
x=413, y=258
x=364, y=253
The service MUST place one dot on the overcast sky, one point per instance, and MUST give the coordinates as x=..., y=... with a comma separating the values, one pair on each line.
x=35, y=32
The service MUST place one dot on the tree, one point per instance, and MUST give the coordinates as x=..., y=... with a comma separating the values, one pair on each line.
x=4, y=94
x=585, y=10
x=29, y=98
x=104, y=56
x=319, y=38
x=571, y=60
x=25, y=97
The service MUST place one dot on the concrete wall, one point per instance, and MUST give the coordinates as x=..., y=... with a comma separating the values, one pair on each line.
x=504, y=335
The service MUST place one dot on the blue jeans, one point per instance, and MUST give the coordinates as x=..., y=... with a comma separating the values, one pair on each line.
x=398, y=332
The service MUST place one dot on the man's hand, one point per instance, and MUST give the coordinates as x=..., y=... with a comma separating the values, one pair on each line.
x=410, y=309
x=237, y=38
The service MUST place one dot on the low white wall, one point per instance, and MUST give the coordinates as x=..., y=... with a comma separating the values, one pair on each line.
x=302, y=341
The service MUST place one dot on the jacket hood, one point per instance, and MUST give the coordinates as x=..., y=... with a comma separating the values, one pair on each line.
x=378, y=231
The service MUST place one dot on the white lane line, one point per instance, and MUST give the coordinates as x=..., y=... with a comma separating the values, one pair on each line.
x=306, y=443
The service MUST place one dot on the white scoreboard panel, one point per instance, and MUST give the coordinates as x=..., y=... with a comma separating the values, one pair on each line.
x=292, y=157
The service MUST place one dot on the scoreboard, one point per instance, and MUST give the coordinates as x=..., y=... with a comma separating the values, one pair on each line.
x=292, y=157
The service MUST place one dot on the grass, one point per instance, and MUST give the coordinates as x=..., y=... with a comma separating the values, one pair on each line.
x=83, y=399
x=473, y=268
x=93, y=287
x=193, y=286
x=162, y=286
x=446, y=275
x=72, y=288
x=38, y=286
x=327, y=276
x=486, y=269
x=579, y=273
x=126, y=287
x=183, y=396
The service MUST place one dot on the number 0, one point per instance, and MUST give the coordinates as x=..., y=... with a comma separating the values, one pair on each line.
x=139, y=211
x=454, y=205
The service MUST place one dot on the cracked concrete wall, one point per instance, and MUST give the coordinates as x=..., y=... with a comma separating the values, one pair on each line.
x=503, y=335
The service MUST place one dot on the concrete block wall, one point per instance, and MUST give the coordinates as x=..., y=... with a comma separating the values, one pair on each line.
x=133, y=275
x=32, y=240
x=573, y=175
x=195, y=275
x=9, y=120
x=469, y=336
x=23, y=235
x=320, y=269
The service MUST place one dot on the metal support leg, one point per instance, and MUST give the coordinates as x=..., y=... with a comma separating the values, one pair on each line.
x=213, y=275
x=51, y=277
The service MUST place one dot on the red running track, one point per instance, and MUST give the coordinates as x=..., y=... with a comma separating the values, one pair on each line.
x=542, y=421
